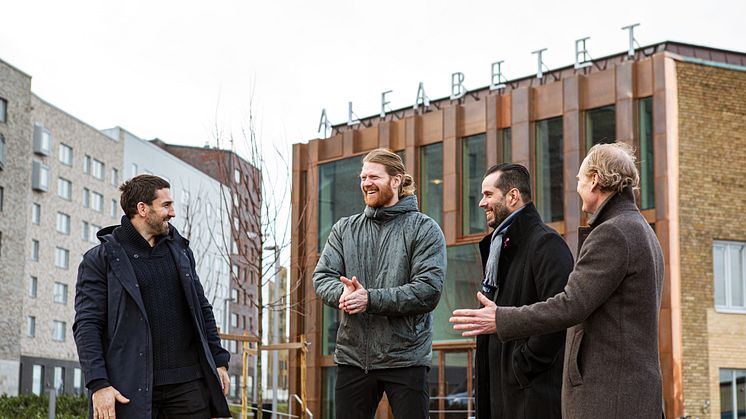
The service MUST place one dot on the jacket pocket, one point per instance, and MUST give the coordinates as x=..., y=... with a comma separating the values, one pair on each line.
x=520, y=376
x=573, y=367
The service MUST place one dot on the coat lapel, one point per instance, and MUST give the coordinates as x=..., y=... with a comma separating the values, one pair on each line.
x=122, y=268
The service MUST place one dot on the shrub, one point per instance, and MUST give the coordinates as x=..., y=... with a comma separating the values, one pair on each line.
x=29, y=406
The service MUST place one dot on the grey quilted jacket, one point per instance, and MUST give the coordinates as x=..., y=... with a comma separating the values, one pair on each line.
x=399, y=255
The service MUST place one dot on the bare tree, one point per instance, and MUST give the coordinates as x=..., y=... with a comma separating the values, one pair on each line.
x=260, y=218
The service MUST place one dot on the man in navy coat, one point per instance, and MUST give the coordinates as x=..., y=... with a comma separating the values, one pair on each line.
x=146, y=335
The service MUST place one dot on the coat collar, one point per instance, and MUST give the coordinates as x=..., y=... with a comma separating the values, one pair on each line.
x=515, y=233
x=613, y=205
x=383, y=214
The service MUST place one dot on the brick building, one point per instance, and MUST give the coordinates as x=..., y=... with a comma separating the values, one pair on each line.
x=681, y=107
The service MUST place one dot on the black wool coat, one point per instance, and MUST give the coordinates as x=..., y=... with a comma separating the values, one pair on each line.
x=112, y=332
x=523, y=378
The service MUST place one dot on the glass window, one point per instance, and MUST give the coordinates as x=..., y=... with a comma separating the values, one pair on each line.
x=548, y=174
x=98, y=169
x=3, y=110
x=34, y=249
x=61, y=258
x=97, y=202
x=114, y=177
x=42, y=140
x=647, y=158
x=30, y=326
x=507, y=145
x=39, y=176
x=86, y=198
x=94, y=232
x=66, y=154
x=113, y=208
x=463, y=279
x=2, y=151
x=329, y=333
x=35, y=213
x=64, y=188
x=235, y=384
x=339, y=194
x=59, y=379
x=87, y=164
x=63, y=223
x=58, y=330
x=85, y=230
x=2, y=197
x=431, y=181
x=329, y=378
x=473, y=163
x=77, y=381
x=730, y=277
x=732, y=394
x=234, y=319
x=33, y=286
x=237, y=176
x=60, y=293
x=37, y=379
x=600, y=126
x=134, y=170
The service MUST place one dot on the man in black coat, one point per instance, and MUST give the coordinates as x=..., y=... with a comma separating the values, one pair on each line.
x=524, y=262
x=146, y=335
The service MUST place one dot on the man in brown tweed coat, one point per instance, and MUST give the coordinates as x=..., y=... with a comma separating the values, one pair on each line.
x=610, y=304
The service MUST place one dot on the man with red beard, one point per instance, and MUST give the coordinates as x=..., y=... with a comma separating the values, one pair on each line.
x=146, y=335
x=524, y=262
x=384, y=269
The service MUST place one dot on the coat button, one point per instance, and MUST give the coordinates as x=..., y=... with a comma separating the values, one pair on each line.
x=137, y=285
x=136, y=256
x=139, y=389
x=187, y=274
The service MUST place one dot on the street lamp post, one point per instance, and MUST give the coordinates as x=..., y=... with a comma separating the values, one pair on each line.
x=275, y=328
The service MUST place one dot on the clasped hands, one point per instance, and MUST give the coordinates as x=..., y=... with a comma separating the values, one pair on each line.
x=473, y=322
x=354, y=298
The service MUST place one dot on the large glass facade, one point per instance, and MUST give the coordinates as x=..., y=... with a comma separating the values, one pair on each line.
x=549, y=193
x=600, y=126
x=647, y=158
x=463, y=277
x=473, y=160
x=329, y=377
x=339, y=194
x=732, y=394
x=507, y=145
x=431, y=181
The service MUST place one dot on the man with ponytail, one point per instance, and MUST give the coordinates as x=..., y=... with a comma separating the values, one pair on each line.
x=384, y=269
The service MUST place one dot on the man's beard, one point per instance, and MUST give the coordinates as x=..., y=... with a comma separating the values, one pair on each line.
x=157, y=224
x=383, y=196
x=499, y=213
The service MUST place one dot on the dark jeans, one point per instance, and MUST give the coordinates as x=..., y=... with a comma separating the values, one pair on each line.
x=357, y=394
x=182, y=401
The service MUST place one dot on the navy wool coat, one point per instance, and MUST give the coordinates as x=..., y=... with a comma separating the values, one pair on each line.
x=112, y=332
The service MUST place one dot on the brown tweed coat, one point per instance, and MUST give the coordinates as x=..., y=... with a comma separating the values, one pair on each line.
x=610, y=305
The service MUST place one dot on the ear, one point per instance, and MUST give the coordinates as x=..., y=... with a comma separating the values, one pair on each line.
x=594, y=181
x=142, y=209
x=396, y=181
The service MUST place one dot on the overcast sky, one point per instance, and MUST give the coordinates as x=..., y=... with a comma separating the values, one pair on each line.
x=177, y=69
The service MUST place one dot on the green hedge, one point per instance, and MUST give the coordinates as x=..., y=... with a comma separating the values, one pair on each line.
x=29, y=406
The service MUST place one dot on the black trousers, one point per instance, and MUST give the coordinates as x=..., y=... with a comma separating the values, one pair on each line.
x=357, y=394
x=190, y=400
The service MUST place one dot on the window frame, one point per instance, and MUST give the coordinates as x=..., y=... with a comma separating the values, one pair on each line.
x=727, y=281
x=65, y=154
x=59, y=330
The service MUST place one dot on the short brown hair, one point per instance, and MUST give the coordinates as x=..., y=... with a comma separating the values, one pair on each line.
x=615, y=165
x=141, y=188
x=394, y=166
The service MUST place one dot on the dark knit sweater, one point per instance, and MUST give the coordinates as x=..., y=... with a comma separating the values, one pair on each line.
x=172, y=329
